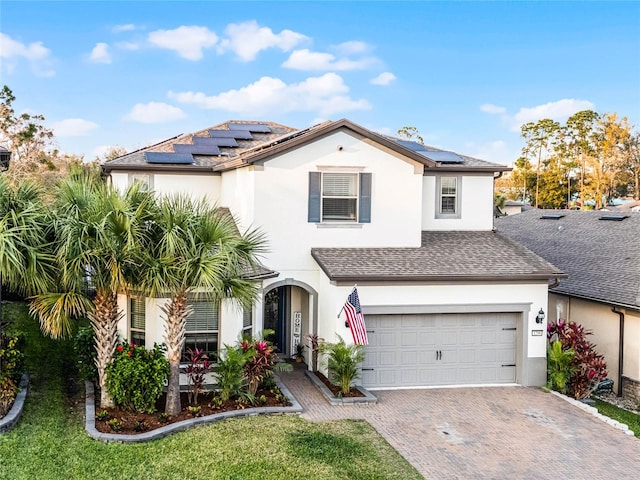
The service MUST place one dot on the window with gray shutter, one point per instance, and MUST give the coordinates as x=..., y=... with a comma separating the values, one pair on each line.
x=247, y=322
x=202, y=328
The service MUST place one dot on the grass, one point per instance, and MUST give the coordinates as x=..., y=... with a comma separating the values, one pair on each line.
x=621, y=415
x=50, y=442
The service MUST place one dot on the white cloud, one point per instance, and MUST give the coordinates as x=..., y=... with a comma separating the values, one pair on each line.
x=493, y=109
x=123, y=28
x=383, y=79
x=559, y=111
x=35, y=53
x=154, y=112
x=73, y=127
x=127, y=46
x=352, y=47
x=316, y=61
x=188, y=42
x=247, y=39
x=496, y=151
x=100, y=53
x=325, y=95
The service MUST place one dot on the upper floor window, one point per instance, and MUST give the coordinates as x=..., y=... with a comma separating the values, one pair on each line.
x=448, y=191
x=137, y=323
x=339, y=197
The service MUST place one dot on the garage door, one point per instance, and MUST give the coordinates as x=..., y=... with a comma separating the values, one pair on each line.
x=440, y=349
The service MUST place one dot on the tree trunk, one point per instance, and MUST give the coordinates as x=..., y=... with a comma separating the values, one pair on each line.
x=104, y=321
x=176, y=312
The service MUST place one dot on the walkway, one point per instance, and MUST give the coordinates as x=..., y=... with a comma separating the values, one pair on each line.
x=486, y=433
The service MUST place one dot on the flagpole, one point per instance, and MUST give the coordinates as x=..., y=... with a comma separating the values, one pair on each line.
x=354, y=287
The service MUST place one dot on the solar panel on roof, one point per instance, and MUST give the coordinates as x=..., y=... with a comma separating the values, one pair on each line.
x=443, y=156
x=165, y=157
x=240, y=134
x=252, y=127
x=552, y=216
x=218, y=141
x=197, y=149
x=415, y=146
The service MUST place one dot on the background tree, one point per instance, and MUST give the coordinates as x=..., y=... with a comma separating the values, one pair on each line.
x=411, y=133
x=539, y=145
x=579, y=134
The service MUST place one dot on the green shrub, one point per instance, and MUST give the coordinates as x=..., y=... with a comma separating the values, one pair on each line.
x=115, y=425
x=12, y=356
x=342, y=362
x=136, y=377
x=84, y=347
x=230, y=372
x=559, y=367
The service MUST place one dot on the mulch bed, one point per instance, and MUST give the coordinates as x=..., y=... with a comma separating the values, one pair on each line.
x=336, y=390
x=132, y=423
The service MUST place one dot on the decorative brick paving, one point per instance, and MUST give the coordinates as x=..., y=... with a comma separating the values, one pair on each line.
x=478, y=433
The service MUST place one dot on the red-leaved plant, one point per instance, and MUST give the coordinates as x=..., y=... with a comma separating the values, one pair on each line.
x=589, y=366
x=260, y=364
x=198, y=367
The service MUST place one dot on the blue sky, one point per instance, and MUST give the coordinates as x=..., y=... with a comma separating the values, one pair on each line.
x=466, y=74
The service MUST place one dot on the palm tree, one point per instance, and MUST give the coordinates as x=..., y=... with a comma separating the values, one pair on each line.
x=195, y=249
x=25, y=264
x=97, y=231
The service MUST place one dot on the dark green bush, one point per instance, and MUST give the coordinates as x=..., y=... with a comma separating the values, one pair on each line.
x=12, y=356
x=136, y=377
x=84, y=347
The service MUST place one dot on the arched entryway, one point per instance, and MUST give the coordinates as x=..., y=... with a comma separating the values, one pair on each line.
x=289, y=310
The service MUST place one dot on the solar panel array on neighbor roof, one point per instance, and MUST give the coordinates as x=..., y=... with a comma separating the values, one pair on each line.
x=238, y=134
x=252, y=127
x=164, y=157
x=441, y=156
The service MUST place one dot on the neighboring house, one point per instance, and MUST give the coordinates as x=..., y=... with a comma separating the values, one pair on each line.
x=599, y=252
x=512, y=207
x=446, y=300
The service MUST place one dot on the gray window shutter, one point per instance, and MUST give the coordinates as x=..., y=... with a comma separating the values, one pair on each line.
x=364, y=214
x=315, y=179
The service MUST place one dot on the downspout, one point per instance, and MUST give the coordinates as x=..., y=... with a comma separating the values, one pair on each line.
x=620, y=348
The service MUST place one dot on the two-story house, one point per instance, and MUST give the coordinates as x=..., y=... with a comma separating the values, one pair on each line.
x=447, y=301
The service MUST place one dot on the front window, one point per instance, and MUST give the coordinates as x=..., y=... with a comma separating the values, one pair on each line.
x=247, y=322
x=202, y=328
x=448, y=201
x=339, y=197
x=137, y=322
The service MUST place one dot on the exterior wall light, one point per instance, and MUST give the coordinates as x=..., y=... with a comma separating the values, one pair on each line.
x=540, y=317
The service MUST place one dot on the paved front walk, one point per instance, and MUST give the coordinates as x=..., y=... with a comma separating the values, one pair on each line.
x=497, y=433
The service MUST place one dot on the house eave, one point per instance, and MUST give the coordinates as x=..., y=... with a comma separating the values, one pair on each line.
x=435, y=279
x=603, y=301
x=107, y=169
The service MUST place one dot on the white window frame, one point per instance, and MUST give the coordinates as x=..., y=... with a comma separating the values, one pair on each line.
x=456, y=196
x=355, y=196
x=146, y=179
x=140, y=331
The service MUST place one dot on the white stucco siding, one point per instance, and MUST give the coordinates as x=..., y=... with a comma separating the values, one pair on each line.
x=120, y=180
x=238, y=194
x=332, y=299
x=476, y=204
x=197, y=186
x=281, y=201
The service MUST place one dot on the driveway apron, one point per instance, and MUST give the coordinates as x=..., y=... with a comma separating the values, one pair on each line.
x=491, y=432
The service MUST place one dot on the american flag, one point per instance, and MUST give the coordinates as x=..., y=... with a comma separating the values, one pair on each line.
x=355, y=318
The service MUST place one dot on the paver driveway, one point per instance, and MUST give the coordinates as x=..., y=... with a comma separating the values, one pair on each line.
x=497, y=433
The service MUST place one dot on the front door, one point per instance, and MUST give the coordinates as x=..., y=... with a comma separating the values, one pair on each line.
x=276, y=305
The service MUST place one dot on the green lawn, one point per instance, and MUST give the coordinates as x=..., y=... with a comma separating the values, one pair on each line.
x=50, y=442
x=623, y=416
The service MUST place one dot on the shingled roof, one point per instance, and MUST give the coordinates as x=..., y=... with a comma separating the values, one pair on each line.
x=443, y=256
x=600, y=257
x=263, y=145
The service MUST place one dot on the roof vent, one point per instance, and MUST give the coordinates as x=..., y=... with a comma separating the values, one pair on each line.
x=613, y=217
x=552, y=216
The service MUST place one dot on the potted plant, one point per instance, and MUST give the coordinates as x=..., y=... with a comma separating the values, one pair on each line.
x=299, y=353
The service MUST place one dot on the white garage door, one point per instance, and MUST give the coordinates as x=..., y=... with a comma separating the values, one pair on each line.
x=440, y=349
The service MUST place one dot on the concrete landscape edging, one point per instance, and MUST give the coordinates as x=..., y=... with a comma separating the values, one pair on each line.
x=333, y=400
x=594, y=411
x=11, y=418
x=90, y=418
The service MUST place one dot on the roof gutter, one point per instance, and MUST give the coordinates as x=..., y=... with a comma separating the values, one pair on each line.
x=620, y=348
